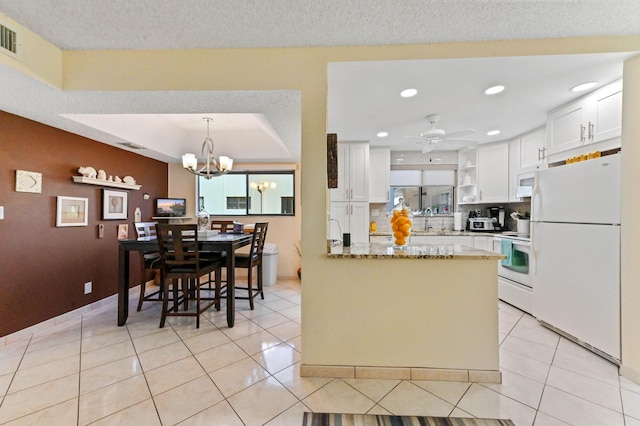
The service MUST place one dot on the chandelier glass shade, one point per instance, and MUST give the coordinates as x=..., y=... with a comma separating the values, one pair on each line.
x=211, y=167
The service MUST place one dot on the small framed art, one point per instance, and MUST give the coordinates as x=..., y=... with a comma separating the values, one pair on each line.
x=72, y=211
x=114, y=204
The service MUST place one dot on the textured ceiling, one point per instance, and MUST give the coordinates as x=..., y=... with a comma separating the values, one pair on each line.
x=163, y=24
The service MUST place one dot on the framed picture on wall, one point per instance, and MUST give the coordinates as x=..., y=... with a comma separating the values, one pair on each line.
x=72, y=211
x=114, y=204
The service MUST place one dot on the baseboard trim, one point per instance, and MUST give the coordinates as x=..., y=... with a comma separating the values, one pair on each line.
x=400, y=373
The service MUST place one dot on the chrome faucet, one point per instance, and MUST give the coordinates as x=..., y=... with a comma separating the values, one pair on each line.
x=428, y=211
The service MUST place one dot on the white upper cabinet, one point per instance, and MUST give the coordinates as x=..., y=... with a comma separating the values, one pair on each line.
x=493, y=173
x=515, y=154
x=379, y=172
x=532, y=150
x=591, y=119
x=353, y=172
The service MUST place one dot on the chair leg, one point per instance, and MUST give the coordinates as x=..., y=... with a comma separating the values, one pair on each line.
x=249, y=287
x=218, y=294
x=197, y=290
x=165, y=304
x=143, y=285
x=260, y=280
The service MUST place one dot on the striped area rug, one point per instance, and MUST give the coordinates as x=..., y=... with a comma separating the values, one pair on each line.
x=333, y=419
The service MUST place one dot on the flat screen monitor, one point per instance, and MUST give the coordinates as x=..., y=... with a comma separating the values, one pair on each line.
x=171, y=207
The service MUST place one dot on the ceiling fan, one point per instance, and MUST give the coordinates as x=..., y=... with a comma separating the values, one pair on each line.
x=433, y=135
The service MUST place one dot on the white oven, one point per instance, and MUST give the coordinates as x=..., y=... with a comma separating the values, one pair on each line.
x=515, y=273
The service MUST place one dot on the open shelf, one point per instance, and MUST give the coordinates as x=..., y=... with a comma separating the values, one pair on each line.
x=100, y=182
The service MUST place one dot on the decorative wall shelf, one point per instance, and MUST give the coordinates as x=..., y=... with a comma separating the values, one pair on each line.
x=100, y=182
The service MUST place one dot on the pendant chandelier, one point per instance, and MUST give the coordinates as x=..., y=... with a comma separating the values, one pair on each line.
x=211, y=167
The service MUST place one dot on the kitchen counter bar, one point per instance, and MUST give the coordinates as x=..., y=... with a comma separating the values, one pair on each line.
x=433, y=318
x=412, y=251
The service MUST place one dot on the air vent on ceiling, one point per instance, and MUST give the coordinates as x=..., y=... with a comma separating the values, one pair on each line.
x=8, y=41
x=131, y=145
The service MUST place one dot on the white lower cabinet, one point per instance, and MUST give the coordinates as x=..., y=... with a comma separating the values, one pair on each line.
x=483, y=242
x=462, y=240
x=352, y=218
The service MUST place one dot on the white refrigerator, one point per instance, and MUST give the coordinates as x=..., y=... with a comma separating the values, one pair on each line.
x=575, y=237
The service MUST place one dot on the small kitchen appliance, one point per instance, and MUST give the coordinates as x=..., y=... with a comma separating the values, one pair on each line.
x=481, y=224
x=497, y=214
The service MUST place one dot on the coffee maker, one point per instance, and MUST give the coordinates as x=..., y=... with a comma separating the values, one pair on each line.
x=497, y=215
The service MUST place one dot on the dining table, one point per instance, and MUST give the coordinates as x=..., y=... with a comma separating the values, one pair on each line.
x=224, y=242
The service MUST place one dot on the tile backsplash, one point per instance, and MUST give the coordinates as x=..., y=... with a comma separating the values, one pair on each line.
x=378, y=214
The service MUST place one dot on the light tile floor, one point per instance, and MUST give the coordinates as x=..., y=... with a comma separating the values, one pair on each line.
x=89, y=371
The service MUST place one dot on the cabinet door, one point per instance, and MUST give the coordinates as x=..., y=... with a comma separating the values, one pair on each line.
x=359, y=222
x=514, y=167
x=379, y=172
x=339, y=219
x=483, y=242
x=532, y=149
x=341, y=193
x=442, y=239
x=359, y=172
x=566, y=128
x=493, y=173
x=605, y=118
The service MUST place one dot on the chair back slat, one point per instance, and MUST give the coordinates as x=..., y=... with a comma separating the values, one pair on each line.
x=178, y=245
x=145, y=229
x=222, y=225
x=259, y=237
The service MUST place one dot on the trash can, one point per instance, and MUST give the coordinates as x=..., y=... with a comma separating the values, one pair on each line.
x=269, y=264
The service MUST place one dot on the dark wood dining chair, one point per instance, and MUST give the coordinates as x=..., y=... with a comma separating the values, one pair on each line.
x=181, y=262
x=252, y=260
x=149, y=261
x=222, y=225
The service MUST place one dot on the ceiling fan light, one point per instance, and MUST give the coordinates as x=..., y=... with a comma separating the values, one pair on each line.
x=583, y=86
x=408, y=93
x=493, y=90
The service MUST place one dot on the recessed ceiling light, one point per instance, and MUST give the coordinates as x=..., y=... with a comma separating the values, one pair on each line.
x=493, y=132
x=382, y=134
x=584, y=86
x=407, y=93
x=494, y=90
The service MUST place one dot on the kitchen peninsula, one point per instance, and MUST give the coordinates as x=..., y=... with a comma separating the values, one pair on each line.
x=426, y=312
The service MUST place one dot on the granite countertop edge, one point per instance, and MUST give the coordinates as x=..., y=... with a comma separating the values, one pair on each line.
x=413, y=251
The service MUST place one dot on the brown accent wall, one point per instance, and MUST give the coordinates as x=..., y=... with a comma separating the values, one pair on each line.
x=43, y=268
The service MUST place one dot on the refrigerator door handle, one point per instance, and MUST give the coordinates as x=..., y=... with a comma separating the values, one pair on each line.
x=535, y=193
x=534, y=252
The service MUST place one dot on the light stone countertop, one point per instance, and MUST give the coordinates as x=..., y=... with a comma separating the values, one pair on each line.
x=449, y=233
x=412, y=251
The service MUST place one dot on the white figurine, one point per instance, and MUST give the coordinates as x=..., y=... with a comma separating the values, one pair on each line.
x=117, y=179
x=102, y=175
x=110, y=178
x=89, y=172
x=129, y=180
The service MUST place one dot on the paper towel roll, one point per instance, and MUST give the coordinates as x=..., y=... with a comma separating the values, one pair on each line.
x=457, y=221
